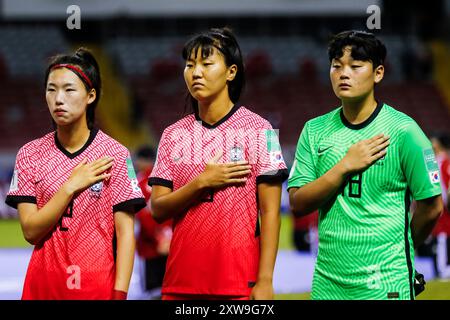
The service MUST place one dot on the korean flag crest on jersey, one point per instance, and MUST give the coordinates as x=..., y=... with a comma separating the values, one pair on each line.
x=132, y=176
x=434, y=177
x=276, y=157
x=432, y=165
x=236, y=153
x=273, y=147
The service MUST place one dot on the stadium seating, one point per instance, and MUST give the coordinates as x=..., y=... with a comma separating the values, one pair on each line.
x=288, y=82
x=26, y=49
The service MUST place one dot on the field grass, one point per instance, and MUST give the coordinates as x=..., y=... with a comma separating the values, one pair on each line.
x=293, y=296
x=11, y=234
x=434, y=290
x=286, y=242
x=11, y=237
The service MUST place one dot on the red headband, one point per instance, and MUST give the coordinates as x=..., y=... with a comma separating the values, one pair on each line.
x=78, y=71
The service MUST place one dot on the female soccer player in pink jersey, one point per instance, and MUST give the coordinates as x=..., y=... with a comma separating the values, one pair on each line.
x=76, y=193
x=217, y=171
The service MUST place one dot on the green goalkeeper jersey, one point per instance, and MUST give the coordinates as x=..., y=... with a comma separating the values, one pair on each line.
x=365, y=246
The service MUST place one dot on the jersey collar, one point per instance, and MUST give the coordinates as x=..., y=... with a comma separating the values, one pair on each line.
x=218, y=123
x=362, y=124
x=91, y=138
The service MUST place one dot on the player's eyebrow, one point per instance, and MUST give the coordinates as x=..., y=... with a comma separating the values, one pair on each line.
x=67, y=84
x=194, y=59
x=351, y=60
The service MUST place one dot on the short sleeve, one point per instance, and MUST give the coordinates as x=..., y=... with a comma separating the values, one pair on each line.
x=303, y=169
x=126, y=194
x=162, y=173
x=419, y=164
x=22, y=188
x=270, y=165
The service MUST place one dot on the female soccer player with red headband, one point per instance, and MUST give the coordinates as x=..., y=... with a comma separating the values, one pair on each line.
x=217, y=171
x=76, y=192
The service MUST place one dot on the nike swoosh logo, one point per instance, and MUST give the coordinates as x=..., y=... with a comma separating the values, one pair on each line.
x=322, y=150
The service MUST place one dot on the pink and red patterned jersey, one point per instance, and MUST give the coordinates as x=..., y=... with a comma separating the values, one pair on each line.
x=151, y=234
x=443, y=224
x=76, y=260
x=215, y=244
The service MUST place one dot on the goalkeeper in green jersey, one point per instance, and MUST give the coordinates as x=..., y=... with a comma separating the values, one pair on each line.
x=361, y=165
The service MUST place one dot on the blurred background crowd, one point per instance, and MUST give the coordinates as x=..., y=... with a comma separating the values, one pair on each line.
x=138, y=45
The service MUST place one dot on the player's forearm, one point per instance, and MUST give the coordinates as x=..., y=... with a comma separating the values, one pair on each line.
x=269, y=203
x=424, y=218
x=169, y=205
x=36, y=224
x=315, y=194
x=270, y=232
x=125, y=259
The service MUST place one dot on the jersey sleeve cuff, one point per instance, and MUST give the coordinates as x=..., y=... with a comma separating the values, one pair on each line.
x=13, y=201
x=294, y=186
x=275, y=176
x=426, y=195
x=131, y=206
x=160, y=182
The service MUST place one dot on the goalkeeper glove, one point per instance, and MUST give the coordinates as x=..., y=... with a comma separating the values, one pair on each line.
x=419, y=283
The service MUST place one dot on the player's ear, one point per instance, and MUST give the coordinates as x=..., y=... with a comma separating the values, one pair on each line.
x=232, y=71
x=92, y=94
x=378, y=74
